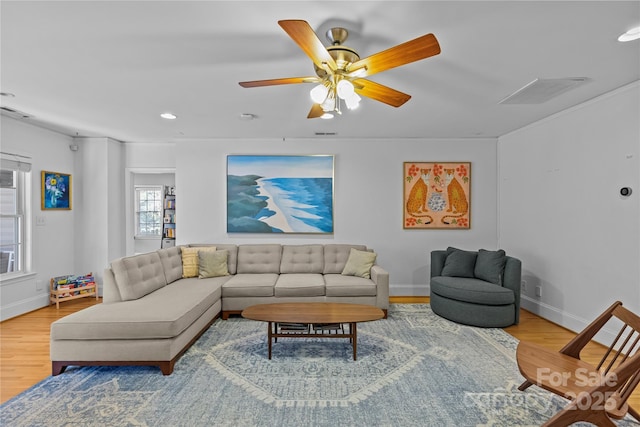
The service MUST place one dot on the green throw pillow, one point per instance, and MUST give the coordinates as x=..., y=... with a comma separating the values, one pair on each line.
x=490, y=266
x=459, y=263
x=359, y=263
x=212, y=264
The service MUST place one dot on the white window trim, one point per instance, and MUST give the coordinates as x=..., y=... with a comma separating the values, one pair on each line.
x=135, y=211
x=21, y=163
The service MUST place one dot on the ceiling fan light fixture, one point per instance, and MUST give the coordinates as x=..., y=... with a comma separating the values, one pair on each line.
x=329, y=103
x=319, y=93
x=632, y=34
x=353, y=101
x=326, y=116
x=345, y=89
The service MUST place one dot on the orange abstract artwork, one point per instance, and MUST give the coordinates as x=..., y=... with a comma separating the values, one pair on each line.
x=437, y=195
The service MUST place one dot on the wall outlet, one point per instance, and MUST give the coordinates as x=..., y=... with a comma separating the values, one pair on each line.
x=524, y=285
x=538, y=291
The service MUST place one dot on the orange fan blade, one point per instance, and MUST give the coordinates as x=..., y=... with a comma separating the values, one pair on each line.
x=302, y=33
x=405, y=53
x=315, y=112
x=284, y=81
x=380, y=92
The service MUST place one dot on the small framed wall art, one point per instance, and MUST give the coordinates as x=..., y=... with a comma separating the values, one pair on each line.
x=56, y=191
x=437, y=195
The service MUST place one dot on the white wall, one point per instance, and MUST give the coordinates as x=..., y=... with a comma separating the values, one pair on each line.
x=560, y=210
x=367, y=198
x=101, y=211
x=53, y=242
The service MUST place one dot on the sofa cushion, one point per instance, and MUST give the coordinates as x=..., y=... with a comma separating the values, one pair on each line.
x=471, y=290
x=250, y=285
x=490, y=266
x=212, y=264
x=359, y=264
x=302, y=259
x=337, y=285
x=138, y=275
x=232, y=260
x=336, y=256
x=190, y=259
x=254, y=259
x=459, y=263
x=164, y=313
x=299, y=285
x=171, y=263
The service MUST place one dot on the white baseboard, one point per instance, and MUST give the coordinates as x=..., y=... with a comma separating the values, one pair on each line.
x=24, y=306
x=564, y=319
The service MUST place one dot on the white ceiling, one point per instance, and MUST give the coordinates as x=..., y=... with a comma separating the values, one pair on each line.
x=110, y=68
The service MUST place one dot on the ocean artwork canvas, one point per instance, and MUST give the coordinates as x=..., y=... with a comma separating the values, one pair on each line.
x=280, y=194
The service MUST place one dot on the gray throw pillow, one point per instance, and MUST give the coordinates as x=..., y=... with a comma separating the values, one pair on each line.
x=490, y=266
x=459, y=263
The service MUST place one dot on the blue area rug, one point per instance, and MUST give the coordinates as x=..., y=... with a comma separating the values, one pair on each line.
x=413, y=369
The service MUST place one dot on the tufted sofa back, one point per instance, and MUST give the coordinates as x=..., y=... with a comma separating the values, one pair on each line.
x=136, y=276
x=302, y=259
x=336, y=256
x=259, y=259
x=139, y=275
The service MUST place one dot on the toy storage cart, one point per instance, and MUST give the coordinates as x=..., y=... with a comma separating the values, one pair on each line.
x=66, y=288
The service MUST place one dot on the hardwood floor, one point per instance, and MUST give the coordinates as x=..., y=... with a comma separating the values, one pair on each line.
x=24, y=342
x=24, y=346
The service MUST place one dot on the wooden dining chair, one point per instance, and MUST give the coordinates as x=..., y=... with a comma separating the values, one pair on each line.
x=597, y=392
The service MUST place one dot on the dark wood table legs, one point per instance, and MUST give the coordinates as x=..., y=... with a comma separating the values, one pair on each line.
x=273, y=334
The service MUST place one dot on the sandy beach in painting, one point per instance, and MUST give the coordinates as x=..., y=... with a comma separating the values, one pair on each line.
x=277, y=220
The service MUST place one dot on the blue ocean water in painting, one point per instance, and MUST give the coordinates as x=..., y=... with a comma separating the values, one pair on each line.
x=305, y=203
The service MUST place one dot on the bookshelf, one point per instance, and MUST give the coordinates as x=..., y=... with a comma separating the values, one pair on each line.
x=169, y=217
x=66, y=288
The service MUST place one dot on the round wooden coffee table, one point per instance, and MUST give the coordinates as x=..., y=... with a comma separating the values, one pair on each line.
x=313, y=320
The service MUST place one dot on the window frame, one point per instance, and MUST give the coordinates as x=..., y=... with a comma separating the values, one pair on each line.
x=22, y=216
x=136, y=214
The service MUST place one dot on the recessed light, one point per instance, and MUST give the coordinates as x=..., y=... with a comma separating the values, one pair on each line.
x=168, y=116
x=632, y=34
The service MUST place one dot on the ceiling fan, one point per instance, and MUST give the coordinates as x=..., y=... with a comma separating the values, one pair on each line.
x=340, y=72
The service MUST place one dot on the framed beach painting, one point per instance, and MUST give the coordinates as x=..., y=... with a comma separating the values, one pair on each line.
x=437, y=195
x=280, y=194
x=56, y=191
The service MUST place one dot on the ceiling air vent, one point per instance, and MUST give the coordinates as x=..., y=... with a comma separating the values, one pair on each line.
x=542, y=90
x=326, y=133
x=14, y=113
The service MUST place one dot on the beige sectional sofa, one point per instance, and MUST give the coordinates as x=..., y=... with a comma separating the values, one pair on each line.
x=151, y=314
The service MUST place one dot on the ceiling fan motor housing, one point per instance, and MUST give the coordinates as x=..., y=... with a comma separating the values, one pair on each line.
x=343, y=56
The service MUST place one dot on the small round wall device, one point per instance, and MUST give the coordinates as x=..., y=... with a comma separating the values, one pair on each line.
x=625, y=191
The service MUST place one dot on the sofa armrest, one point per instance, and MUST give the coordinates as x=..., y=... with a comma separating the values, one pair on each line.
x=110, y=292
x=437, y=262
x=380, y=277
x=512, y=279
